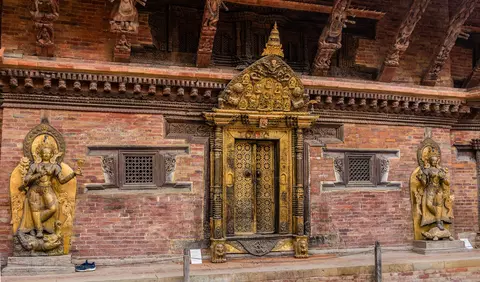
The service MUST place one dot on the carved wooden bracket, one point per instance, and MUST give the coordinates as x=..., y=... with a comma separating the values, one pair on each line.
x=211, y=16
x=392, y=60
x=331, y=38
x=455, y=30
x=44, y=13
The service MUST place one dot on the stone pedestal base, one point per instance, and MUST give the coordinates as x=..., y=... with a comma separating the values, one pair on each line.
x=21, y=266
x=443, y=246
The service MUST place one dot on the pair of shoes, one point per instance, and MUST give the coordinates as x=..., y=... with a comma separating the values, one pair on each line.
x=86, y=266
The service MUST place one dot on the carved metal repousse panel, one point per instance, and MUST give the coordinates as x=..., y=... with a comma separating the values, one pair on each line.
x=139, y=169
x=259, y=247
x=265, y=188
x=359, y=169
x=243, y=188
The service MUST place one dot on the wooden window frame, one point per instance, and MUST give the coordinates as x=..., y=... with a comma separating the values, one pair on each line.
x=157, y=168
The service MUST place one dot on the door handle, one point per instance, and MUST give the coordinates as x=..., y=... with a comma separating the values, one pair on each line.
x=247, y=173
x=259, y=173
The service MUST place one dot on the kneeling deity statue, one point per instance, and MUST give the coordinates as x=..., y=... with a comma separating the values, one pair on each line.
x=430, y=195
x=43, y=190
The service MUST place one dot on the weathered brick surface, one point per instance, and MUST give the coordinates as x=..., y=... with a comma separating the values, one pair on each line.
x=111, y=224
x=359, y=218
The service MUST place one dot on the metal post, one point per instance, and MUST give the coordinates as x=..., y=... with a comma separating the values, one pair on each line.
x=186, y=265
x=378, y=262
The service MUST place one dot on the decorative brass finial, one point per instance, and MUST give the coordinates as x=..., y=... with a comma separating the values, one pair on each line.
x=273, y=47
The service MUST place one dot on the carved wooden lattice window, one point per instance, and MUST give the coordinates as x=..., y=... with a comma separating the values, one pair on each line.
x=360, y=169
x=139, y=167
x=356, y=168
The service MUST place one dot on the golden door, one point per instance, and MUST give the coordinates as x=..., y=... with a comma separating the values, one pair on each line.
x=254, y=189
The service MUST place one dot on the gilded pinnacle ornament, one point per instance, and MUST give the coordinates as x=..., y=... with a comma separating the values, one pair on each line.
x=273, y=47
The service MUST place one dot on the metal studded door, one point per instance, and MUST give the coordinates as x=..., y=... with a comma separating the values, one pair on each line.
x=254, y=188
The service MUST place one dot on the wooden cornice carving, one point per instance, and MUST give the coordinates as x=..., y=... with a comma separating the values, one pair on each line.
x=455, y=30
x=392, y=60
x=184, y=98
x=211, y=16
x=331, y=38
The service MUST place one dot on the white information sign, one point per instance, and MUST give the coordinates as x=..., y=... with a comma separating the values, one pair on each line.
x=196, y=256
x=468, y=245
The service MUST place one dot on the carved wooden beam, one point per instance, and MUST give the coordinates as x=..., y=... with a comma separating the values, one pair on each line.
x=473, y=79
x=211, y=16
x=309, y=7
x=331, y=38
x=455, y=30
x=392, y=60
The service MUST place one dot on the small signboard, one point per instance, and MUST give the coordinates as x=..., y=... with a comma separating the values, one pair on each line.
x=467, y=243
x=195, y=256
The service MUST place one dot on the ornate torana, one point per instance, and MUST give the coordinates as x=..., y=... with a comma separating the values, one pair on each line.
x=42, y=193
x=432, y=203
x=259, y=126
x=267, y=85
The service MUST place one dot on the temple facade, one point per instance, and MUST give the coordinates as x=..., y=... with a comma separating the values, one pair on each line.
x=138, y=128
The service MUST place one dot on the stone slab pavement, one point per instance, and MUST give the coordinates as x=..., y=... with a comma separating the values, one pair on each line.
x=267, y=268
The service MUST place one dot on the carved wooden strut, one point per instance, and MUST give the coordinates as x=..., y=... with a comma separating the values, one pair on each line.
x=331, y=38
x=44, y=13
x=402, y=41
x=211, y=16
x=455, y=30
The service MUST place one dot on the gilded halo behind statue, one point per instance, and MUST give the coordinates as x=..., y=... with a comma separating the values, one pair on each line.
x=42, y=193
x=430, y=195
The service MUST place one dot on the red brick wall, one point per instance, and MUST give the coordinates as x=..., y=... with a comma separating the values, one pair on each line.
x=461, y=59
x=111, y=223
x=464, y=185
x=80, y=31
x=359, y=218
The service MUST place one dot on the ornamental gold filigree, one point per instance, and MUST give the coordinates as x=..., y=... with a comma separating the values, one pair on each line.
x=431, y=199
x=42, y=192
x=267, y=85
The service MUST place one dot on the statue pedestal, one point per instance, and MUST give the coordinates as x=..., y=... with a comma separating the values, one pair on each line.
x=22, y=266
x=441, y=246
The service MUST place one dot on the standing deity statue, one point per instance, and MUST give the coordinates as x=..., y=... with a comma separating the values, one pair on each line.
x=124, y=16
x=42, y=189
x=431, y=198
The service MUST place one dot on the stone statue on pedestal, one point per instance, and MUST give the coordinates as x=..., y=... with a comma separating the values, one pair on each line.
x=430, y=195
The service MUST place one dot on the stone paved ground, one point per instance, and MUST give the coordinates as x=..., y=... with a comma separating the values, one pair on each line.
x=397, y=266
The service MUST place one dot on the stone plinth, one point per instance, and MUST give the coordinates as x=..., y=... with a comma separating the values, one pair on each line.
x=442, y=246
x=21, y=266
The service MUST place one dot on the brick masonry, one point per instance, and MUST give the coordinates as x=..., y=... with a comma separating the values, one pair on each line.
x=358, y=218
x=111, y=223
